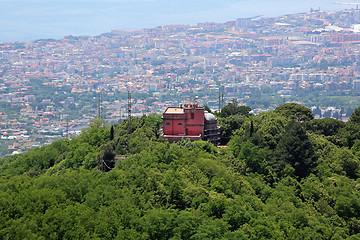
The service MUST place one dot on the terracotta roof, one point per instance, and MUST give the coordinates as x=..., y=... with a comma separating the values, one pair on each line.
x=171, y=110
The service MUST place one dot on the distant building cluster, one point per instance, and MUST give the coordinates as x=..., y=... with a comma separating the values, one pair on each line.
x=53, y=84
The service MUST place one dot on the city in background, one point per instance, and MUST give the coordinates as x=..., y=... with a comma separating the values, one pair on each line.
x=51, y=89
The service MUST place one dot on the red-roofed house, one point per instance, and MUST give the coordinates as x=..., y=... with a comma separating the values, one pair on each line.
x=191, y=122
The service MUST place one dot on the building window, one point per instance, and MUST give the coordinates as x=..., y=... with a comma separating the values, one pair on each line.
x=192, y=115
x=167, y=123
x=180, y=124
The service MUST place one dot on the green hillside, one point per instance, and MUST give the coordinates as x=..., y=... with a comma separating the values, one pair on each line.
x=283, y=175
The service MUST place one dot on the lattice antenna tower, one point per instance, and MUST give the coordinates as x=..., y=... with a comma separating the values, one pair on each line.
x=129, y=106
x=120, y=114
x=221, y=99
x=129, y=119
x=67, y=127
x=99, y=105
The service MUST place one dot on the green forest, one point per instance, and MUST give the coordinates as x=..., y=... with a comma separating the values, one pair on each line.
x=283, y=175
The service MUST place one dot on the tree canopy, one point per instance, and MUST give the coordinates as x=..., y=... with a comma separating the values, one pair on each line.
x=355, y=116
x=233, y=108
x=281, y=177
x=295, y=112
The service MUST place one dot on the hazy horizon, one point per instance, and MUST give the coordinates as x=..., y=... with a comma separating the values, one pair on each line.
x=36, y=19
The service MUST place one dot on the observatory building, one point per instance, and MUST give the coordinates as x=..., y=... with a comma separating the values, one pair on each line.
x=190, y=121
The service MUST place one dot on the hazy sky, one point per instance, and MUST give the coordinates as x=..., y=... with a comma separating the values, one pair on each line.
x=22, y=20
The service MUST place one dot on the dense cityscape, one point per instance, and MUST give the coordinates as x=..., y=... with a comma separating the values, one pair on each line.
x=53, y=88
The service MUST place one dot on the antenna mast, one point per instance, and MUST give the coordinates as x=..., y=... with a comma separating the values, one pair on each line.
x=221, y=99
x=129, y=119
x=129, y=106
x=120, y=114
x=67, y=127
x=99, y=105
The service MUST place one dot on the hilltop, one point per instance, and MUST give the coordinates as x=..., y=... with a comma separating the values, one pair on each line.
x=284, y=175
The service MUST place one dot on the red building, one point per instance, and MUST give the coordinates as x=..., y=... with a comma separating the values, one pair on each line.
x=190, y=121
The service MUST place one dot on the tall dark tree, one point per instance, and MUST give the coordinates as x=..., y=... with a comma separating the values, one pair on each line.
x=296, y=149
x=251, y=128
x=112, y=133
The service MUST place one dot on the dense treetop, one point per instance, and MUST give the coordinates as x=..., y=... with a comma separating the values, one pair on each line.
x=281, y=177
x=295, y=112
